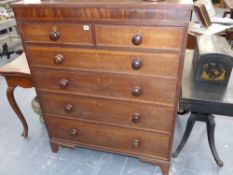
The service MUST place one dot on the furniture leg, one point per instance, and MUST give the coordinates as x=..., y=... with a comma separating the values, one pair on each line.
x=210, y=131
x=165, y=169
x=164, y=165
x=11, y=99
x=54, y=147
x=189, y=127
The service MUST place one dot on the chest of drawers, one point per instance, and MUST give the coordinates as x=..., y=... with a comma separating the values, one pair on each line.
x=107, y=73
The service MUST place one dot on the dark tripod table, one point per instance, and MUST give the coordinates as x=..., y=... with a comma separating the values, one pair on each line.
x=203, y=100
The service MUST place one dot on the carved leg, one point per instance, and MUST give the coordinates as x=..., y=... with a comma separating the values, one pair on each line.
x=11, y=99
x=54, y=147
x=210, y=131
x=189, y=127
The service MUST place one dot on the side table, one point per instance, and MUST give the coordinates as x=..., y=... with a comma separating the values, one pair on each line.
x=203, y=100
x=17, y=73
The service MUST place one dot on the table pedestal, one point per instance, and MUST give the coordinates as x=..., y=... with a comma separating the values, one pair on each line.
x=210, y=123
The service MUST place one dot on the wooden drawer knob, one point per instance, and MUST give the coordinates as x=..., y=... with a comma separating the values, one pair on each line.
x=136, y=118
x=136, y=143
x=68, y=108
x=54, y=35
x=58, y=59
x=136, y=64
x=73, y=132
x=137, y=39
x=64, y=83
x=136, y=91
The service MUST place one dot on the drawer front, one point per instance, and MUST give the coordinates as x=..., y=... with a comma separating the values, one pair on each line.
x=131, y=141
x=57, y=33
x=139, y=37
x=117, y=61
x=109, y=111
x=132, y=87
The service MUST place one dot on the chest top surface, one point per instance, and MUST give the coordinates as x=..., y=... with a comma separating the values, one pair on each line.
x=184, y=3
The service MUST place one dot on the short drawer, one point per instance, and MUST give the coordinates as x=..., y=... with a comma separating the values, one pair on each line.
x=129, y=87
x=139, y=36
x=114, y=112
x=113, y=61
x=57, y=33
x=125, y=140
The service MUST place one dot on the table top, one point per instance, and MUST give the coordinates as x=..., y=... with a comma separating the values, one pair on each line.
x=206, y=97
x=19, y=65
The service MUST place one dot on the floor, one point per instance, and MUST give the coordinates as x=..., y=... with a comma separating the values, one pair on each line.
x=32, y=156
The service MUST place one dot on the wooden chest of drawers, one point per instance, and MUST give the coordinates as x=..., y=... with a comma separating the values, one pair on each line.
x=108, y=73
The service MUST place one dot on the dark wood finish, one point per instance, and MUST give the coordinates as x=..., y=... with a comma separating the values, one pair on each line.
x=143, y=37
x=141, y=143
x=174, y=10
x=155, y=89
x=118, y=61
x=105, y=68
x=17, y=74
x=57, y=33
x=88, y=108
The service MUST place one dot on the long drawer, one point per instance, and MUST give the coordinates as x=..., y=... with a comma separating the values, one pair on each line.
x=132, y=87
x=155, y=37
x=113, y=112
x=113, y=61
x=57, y=33
x=125, y=140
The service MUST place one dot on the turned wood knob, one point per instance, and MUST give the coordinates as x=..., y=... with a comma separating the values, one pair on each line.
x=64, y=83
x=136, y=64
x=58, y=59
x=137, y=39
x=68, y=108
x=136, y=91
x=54, y=35
x=73, y=132
x=136, y=143
x=136, y=118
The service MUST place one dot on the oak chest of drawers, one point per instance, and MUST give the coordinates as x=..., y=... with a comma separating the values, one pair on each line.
x=107, y=73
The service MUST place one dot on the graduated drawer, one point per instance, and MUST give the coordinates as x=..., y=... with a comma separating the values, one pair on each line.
x=119, y=139
x=128, y=62
x=138, y=115
x=131, y=87
x=153, y=37
x=57, y=33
